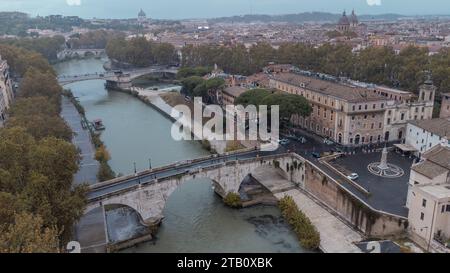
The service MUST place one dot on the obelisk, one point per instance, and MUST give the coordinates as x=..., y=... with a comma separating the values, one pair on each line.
x=383, y=164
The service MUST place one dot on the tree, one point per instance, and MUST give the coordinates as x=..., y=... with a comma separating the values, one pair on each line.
x=34, y=106
x=289, y=105
x=252, y=97
x=190, y=83
x=41, y=126
x=165, y=54
x=27, y=234
x=48, y=86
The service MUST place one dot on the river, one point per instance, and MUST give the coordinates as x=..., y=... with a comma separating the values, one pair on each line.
x=196, y=220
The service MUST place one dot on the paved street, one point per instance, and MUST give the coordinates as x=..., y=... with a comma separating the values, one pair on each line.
x=388, y=195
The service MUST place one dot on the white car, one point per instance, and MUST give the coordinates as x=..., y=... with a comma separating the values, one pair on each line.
x=353, y=176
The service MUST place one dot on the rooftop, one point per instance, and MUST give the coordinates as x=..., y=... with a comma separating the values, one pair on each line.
x=335, y=89
x=438, y=191
x=437, y=126
x=439, y=155
x=429, y=169
x=235, y=91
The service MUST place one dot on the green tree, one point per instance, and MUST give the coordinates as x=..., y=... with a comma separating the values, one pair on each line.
x=252, y=97
x=289, y=105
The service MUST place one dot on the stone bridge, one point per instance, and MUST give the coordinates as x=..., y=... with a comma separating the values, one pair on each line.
x=77, y=53
x=117, y=79
x=148, y=192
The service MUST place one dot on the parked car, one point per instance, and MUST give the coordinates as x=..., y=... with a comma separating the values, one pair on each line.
x=316, y=154
x=328, y=142
x=353, y=176
x=284, y=141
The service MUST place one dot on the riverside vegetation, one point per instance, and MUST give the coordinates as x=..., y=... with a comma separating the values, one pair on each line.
x=306, y=232
x=38, y=202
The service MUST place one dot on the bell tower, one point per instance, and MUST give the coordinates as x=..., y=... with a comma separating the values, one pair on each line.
x=427, y=91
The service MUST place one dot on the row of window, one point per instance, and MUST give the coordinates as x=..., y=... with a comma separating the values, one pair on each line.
x=366, y=107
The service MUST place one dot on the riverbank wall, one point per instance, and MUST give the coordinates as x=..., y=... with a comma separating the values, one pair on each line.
x=350, y=208
x=153, y=99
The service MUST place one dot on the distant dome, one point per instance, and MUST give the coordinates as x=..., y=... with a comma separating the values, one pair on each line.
x=354, y=18
x=142, y=13
x=344, y=20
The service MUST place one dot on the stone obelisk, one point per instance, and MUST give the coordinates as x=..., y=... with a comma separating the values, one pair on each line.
x=383, y=164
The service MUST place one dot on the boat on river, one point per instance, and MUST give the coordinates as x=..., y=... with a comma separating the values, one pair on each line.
x=98, y=125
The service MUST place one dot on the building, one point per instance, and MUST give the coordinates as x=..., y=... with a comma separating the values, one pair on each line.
x=423, y=135
x=347, y=114
x=6, y=91
x=404, y=106
x=230, y=94
x=429, y=198
x=142, y=17
x=346, y=23
x=353, y=113
x=445, y=106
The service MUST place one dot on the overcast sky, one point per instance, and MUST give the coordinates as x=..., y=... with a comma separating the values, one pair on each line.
x=177, y=9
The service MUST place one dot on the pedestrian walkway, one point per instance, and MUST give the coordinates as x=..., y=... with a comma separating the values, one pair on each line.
x=335, y=235
x=82, y=140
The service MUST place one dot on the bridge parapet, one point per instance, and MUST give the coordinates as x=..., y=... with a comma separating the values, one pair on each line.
x=148, y=196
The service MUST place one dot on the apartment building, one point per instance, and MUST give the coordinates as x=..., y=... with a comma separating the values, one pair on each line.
x=423, y=135
x=429, y=198
x=352, y=113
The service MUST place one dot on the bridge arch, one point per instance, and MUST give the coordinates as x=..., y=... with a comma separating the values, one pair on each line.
x=149, y=198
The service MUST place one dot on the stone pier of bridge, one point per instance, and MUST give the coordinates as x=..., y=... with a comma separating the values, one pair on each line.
x=149, y=198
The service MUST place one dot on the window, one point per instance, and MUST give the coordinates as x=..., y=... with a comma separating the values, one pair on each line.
x=380, y=125
x=365, y=116
x=353, y=108
x=374, y=106
x=402, y=116
x=424, y=203
x=360, y=107
x=382, y=105
x=389, y=112
x=443, y=209
x=388, y=121
x=353, y=117
x=365, y=107
x=422, y=216
x=447, y=208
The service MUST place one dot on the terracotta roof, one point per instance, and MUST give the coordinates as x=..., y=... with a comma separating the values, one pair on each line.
x=437, y=126
x=439, y=155
x=429, y=169
x=235, y=91
x=335, y=89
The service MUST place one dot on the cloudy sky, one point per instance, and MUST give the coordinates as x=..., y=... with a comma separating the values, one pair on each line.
x=176, y=9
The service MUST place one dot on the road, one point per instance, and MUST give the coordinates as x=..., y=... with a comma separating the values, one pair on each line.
x=98, y=192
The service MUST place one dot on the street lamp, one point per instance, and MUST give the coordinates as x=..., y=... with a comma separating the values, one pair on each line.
x=135, y=170
x=149, y=163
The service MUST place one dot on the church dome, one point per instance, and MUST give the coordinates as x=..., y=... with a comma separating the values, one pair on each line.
x=354, y=18
x=344, y=20
x=141, y=13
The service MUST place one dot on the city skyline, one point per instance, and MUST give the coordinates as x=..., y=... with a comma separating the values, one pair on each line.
x=209, y=9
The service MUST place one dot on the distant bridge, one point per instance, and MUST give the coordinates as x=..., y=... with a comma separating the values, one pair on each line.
x=74, y=53
x=121, y=78
x=147, y=192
